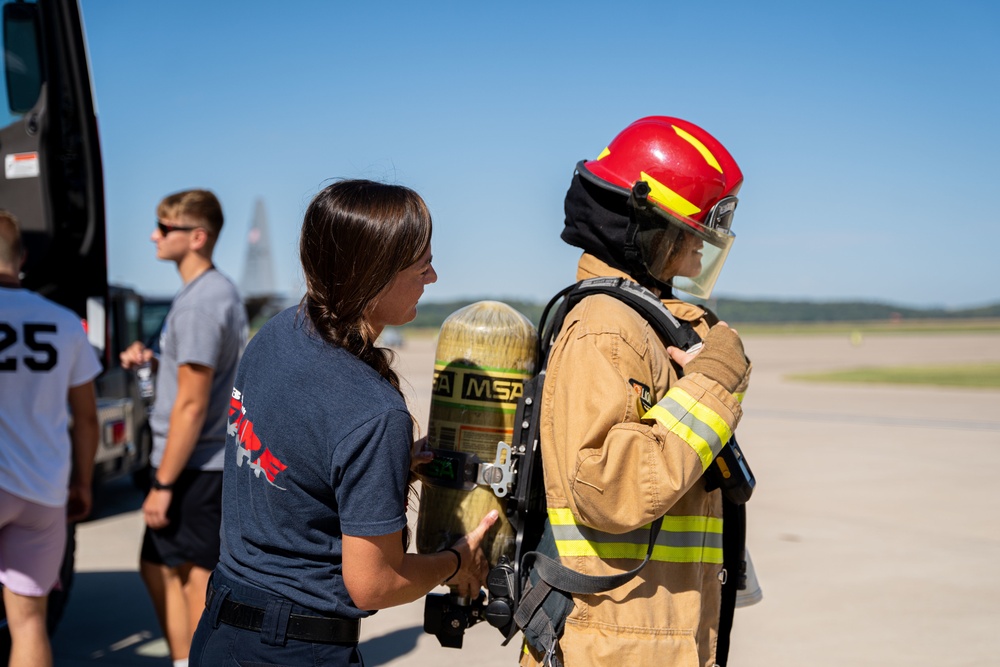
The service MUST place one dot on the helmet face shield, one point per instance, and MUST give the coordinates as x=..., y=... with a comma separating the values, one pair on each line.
x=701, y=285
x=683, y=252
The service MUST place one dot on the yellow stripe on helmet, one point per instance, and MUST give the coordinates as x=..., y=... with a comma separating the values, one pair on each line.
x=661, y=193
x=701, y=148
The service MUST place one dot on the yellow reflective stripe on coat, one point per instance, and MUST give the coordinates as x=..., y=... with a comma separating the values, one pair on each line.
x=682, y=539
x=695, y=423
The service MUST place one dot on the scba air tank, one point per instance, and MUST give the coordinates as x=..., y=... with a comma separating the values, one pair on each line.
x=485, y=352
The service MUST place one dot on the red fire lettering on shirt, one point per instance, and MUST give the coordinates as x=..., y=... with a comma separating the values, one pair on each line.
x=270, y=464
x=247, y=437
x=235, y=409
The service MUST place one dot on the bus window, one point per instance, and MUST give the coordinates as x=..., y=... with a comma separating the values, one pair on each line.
x=22, y=71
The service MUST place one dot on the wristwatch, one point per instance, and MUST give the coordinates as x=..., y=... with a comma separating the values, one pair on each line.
x=160, y=486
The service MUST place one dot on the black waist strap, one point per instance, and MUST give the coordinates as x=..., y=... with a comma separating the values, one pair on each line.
x=319, y=629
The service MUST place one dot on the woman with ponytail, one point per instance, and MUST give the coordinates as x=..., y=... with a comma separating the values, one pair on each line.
x=319, y=449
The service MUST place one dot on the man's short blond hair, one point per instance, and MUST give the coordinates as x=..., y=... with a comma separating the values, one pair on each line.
x=11, y=249
x=201, y=206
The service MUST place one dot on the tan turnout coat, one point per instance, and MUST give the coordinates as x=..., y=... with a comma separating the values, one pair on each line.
x=614, y=472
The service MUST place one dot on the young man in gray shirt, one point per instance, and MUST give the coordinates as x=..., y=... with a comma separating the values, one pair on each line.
x=200, y=347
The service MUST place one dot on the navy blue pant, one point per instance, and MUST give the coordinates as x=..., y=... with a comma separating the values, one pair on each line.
x=216, y=644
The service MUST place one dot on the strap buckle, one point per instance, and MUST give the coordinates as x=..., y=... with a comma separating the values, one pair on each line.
x=465, y=471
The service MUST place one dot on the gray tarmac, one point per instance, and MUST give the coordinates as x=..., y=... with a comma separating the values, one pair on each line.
x=874, y=529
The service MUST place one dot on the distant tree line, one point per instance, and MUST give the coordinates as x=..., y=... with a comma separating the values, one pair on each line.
x=432, y=314
x=738, y=310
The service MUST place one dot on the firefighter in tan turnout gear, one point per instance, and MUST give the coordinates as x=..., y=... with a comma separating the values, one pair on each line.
x=628, y=424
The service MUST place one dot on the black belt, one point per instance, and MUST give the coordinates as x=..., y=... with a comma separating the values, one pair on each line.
x=319, y=629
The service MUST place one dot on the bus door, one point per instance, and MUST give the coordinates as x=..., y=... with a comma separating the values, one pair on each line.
x=52, y=178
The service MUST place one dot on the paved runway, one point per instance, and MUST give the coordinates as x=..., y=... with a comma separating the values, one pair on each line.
x=875, y=527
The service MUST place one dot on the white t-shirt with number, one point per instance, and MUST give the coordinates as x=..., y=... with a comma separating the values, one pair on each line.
x=43, y=352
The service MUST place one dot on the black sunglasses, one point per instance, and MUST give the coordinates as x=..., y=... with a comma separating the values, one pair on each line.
x=166, y=229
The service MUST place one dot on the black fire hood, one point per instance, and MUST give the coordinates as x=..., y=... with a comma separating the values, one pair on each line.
x=598, y=222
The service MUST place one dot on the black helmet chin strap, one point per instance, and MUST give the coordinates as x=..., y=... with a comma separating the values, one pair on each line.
x=639, y=206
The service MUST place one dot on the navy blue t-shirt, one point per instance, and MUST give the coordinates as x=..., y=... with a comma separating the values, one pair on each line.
x=318, y=445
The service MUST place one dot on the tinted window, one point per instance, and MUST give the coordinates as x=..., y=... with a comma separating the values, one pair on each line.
x=154, y=311
x=22, y=72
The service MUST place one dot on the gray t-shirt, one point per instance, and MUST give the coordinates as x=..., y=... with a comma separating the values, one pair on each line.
x=206, y=325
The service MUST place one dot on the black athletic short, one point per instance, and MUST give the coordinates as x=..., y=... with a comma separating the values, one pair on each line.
x=195, y=515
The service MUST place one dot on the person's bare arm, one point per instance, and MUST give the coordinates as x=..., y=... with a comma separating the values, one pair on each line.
x=379, y=574
x=194, y=384
x=83, y=436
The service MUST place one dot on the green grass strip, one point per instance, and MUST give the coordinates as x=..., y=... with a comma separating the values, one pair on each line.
x=974, y=375
x=957, y=326
x=877, y=327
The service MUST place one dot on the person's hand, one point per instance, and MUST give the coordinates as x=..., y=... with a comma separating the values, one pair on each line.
x=154, y=509
x=681, y=358
x=135, y=355
x=79, y=502
x=721, y=358
x=471, y=576
x=420, y=453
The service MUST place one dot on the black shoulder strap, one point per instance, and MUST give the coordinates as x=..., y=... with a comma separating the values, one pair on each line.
x=675, y=332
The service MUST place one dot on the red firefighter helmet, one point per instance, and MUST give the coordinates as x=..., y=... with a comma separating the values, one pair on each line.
x=692, y=183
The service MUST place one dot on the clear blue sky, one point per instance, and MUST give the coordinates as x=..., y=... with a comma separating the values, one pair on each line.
x=868, y=132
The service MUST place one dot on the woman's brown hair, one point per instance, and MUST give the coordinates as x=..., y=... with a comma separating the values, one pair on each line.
x=356, y=236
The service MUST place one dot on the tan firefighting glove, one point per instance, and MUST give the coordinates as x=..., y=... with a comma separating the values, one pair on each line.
x=722, y=359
